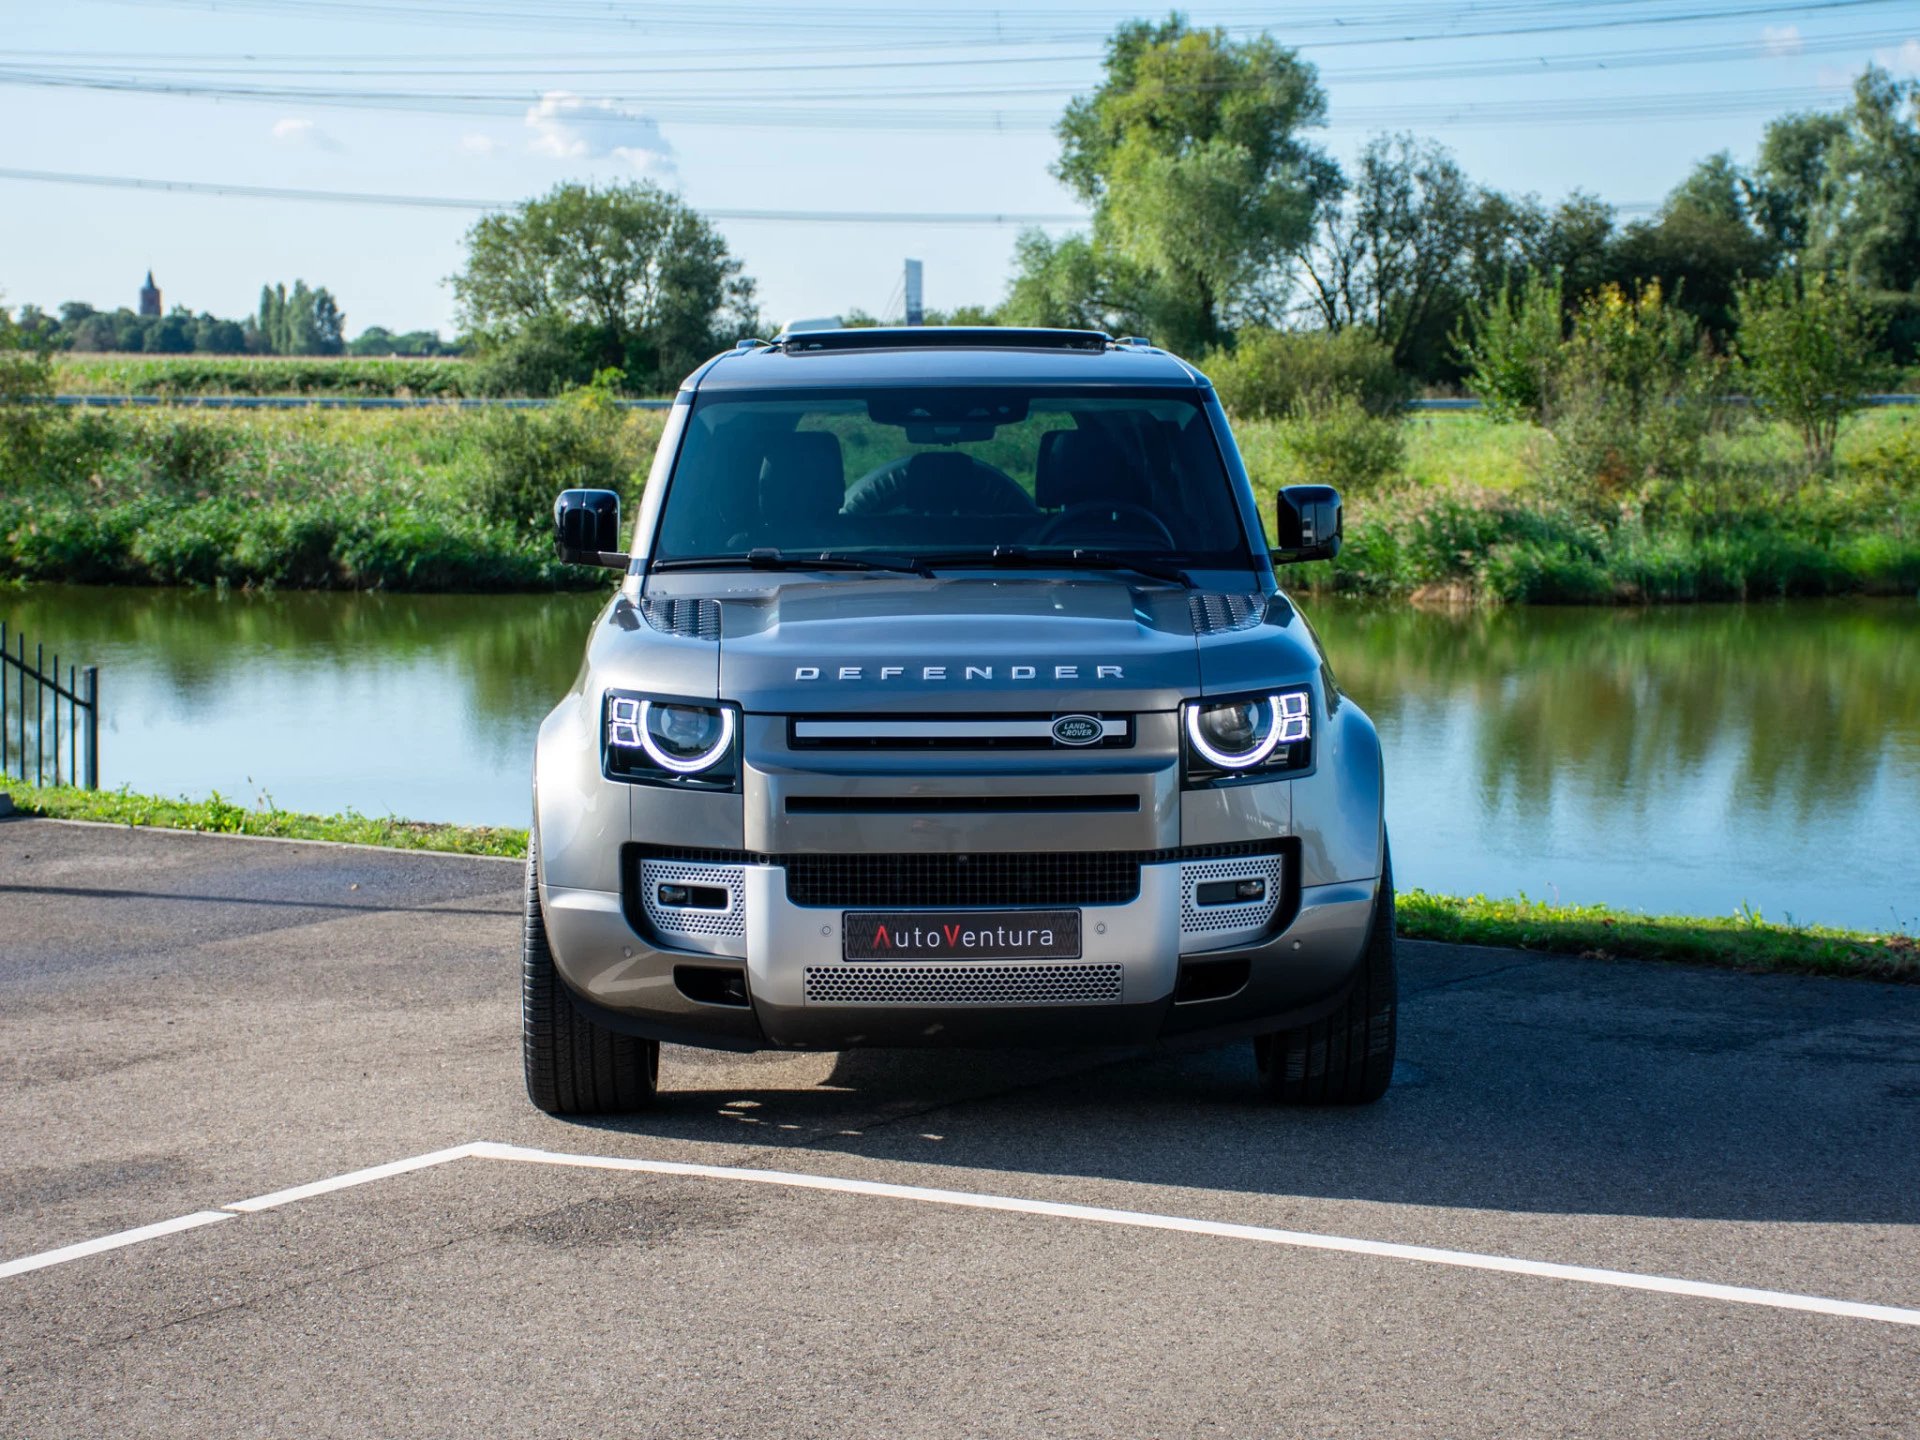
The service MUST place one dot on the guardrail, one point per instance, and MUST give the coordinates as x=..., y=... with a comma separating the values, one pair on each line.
x=40, y=743
x=413, y=402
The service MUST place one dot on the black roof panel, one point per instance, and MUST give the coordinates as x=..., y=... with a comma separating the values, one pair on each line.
x=944, y=355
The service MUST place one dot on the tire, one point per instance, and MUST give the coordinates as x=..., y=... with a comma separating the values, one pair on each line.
x=1346, y=1057
x=574, y=1067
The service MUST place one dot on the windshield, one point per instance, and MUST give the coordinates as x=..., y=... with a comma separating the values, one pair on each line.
x=953, y=472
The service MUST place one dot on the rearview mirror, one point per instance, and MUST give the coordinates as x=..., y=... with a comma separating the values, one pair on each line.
x=586, y=529
x=1307, y=523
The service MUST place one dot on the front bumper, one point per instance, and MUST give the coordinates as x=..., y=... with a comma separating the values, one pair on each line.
x=1131, y=984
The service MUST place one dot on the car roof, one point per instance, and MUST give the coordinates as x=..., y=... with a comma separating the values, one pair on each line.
x=944, y=355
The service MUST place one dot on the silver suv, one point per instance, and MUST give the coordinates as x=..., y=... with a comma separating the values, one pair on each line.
x=949, y=699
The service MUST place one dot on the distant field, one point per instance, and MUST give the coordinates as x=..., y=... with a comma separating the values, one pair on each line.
x=441, y=378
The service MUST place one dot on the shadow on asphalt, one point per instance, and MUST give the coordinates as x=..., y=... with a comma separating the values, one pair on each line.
x=1552, y=1085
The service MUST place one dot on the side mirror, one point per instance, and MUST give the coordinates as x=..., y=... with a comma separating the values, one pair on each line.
x=1307, y=522
x=586, y=528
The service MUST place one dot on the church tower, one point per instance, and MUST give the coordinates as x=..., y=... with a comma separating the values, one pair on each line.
x=149, y=297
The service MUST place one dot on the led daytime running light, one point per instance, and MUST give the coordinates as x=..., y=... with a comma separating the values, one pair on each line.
x=1234, y=762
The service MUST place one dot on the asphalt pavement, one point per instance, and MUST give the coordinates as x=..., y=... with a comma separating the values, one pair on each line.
x=1112, y=1243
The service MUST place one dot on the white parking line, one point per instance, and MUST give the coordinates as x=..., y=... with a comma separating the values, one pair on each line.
x=351, y=1179
x=967, y=1199
x=110, y=1242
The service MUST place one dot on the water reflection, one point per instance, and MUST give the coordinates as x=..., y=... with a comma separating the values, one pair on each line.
x=1690, y=759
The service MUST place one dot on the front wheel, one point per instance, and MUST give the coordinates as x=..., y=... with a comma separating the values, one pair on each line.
x=1346, y=1057
x=574, y=1067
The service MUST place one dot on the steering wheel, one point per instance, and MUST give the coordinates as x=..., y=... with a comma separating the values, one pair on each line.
x=1106, y=514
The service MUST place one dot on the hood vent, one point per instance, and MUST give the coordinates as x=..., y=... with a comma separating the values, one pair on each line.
x=1217, y=614
x=689, y=619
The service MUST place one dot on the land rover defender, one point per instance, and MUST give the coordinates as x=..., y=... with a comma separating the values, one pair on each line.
x=949, y=698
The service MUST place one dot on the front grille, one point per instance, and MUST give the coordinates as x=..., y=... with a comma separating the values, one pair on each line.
x=892, y=984
x=1100, y=877
x=1069, y=804
x=892, y=881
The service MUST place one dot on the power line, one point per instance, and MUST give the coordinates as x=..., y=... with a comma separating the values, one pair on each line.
x=1664, y=55
x=451, y=202
x=793, y=111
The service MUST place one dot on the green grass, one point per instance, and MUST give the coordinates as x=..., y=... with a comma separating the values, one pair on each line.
x=438, y=377
x=1741, y=942
x=219, y=816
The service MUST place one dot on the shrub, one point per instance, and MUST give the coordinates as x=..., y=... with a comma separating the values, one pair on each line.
x=1809, y=343
x=529, y=456
x=24, y=374
x=1629, y=400
x=1269, y=373
x=1511, y=347
x=1337, y=442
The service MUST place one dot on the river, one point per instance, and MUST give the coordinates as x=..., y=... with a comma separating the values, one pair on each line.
x=1692, y=759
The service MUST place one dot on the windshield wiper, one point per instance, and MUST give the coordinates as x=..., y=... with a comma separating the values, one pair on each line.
x=1018, y=557
x=767, y=558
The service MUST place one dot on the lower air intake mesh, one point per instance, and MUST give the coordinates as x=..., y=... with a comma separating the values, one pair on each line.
x=886, y=983
x=1110, y=877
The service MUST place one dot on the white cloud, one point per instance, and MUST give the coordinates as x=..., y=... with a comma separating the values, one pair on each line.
x=297, y=130
x=1782, y=40
x=573, y=127
x=476, y=143
x=1904, y=61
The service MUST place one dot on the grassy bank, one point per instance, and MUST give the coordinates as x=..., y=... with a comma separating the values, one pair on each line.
x=409, y=500
x=444, y=500
x=1741, y=942
x=218, y=816
x=1470, y=514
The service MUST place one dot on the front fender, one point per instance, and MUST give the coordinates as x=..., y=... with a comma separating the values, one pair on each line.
x=1339, y=810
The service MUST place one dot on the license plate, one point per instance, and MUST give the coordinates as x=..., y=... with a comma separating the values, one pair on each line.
x=961, y=935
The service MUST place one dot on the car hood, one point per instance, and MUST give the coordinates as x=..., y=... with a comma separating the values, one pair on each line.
x=1018, y=643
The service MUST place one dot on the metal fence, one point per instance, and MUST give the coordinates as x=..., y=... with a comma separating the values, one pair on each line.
x=49, y=730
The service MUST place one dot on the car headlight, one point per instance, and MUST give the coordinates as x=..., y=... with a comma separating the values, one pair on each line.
x=1247, y=735
x=670, y=740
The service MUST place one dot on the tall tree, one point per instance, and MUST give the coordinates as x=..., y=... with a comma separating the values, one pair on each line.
x=1191, y=153
x=1400, y=252
x=1706, y=241
x=1865, y=220
x=583, y=279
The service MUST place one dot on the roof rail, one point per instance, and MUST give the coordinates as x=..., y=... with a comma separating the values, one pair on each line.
x=939, y=337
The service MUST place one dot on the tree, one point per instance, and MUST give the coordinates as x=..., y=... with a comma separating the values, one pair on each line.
x=1808, y=343
x=1063, y=283
x=299, y=322
x=1191, y=155
x=1791, y=174
x=1396, y=249
x=25, y=374
x=1511, y=346
x=584, y=279
x=1865, y=222
x=1704, y=244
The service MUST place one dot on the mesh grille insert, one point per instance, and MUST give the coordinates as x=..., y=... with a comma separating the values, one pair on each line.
x=1087, y=878
x=927, y=881
x=1225, y=922
x=891, y=984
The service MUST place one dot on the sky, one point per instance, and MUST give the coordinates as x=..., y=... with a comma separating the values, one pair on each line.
x=750, y=105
